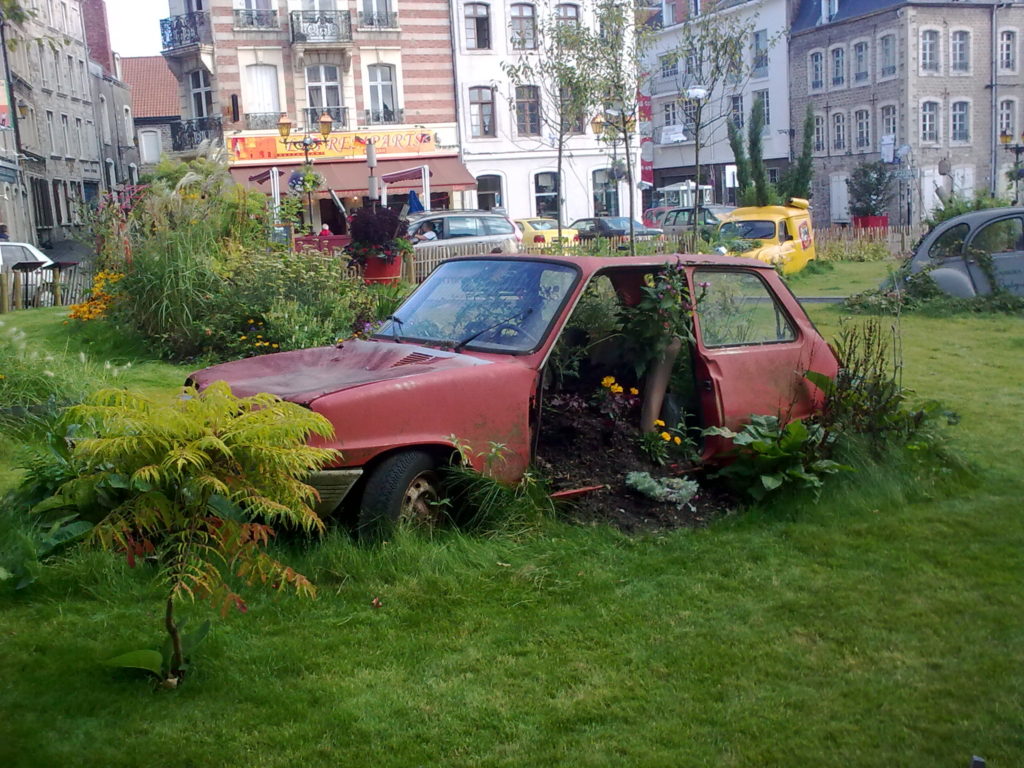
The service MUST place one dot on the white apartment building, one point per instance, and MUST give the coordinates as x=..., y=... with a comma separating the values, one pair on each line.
x=672, y=113
x=505, y=144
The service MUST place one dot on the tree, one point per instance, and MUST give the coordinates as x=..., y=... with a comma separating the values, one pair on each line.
x=751, y=175
x=559, y=69
x=763, y=194
x=616, y=52
x=870, y=186
x=714, y=69
x=197, y=483
x=797, y=181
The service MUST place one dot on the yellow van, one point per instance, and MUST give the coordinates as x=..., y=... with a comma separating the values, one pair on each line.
x=783, y=232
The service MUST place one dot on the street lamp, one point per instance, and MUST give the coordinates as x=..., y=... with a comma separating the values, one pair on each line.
x=307, y=144
x=1018, y=149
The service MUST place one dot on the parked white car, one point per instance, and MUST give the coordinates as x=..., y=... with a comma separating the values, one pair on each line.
x=32, y=263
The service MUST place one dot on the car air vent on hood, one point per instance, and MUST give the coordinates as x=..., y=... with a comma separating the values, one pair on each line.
x=416, y=358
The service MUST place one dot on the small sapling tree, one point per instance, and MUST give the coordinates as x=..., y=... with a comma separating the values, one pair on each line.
x=197, y=484
x=870, y=186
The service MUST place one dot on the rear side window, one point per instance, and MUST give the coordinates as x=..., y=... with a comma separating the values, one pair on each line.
x=949, y=243
x=465, y=226
x=1003, y=236
x=496, y=225
x=15, y=254
x=737, y=309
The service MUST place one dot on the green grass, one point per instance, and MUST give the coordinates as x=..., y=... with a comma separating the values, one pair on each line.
x=880, y=625
x=839, y=278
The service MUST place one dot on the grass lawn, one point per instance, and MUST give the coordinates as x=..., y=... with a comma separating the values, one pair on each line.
x=839, y=278
x=878, y=625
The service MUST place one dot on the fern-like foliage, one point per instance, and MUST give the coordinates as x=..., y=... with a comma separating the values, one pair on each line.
x=198, y=482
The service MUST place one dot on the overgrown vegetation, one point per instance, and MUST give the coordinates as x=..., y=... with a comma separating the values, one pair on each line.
x=199, y=276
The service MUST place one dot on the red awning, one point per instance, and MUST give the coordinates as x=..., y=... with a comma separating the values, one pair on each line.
x=410, y=174
x=447, y=174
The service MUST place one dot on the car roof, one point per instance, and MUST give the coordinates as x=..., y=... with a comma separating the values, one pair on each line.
x=767, y=212
x=592, y=264
x=453, y=212
x=33, y=251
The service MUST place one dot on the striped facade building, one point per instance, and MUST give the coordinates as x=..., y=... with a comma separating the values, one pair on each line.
x=381, y=70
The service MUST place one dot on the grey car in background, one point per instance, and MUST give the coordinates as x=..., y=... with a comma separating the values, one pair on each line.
x=679, y=220
x=965, y=254
x=493, y=232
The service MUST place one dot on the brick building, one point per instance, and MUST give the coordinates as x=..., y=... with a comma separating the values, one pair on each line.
x=383, y=73
x=926, y=85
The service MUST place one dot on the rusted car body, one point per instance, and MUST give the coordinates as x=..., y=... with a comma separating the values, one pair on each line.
x=463, y=363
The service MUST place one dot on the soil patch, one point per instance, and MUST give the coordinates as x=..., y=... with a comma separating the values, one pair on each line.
x=579, y=450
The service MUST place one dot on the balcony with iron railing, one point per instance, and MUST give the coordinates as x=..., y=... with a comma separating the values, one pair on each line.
x=386, y=116
x=321, y=26
x=189, y=134
x=385, y=20
x=262, y=121
x=185, y=30
x=256, y=19
x=338, y=114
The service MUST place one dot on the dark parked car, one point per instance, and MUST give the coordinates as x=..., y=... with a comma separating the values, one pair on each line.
x=466, y=361
x=611, y=226
x=967, y=253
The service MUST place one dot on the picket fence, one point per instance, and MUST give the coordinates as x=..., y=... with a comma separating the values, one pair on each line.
x=44, y=287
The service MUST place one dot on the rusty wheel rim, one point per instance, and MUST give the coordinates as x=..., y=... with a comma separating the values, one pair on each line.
x=420, y=504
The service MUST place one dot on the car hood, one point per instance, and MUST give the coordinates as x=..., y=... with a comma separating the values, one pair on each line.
x=303, y=375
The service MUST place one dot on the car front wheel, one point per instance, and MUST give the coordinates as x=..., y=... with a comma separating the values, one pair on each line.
x=405, y=487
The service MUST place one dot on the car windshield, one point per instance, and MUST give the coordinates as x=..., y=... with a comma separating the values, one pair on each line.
x=489, y=305
x=542, y=225
x=749, y=230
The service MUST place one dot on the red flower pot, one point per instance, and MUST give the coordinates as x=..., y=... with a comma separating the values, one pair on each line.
x=865, y=222
x=378, y=270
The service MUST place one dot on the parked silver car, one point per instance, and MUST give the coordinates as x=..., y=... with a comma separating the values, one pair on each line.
x=679, y=220
x=494, y=232
x=965, y=254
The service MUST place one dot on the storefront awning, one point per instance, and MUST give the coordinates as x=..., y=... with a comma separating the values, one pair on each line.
x=447, y=174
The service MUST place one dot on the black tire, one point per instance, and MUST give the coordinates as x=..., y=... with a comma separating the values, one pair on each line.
x=405, y=487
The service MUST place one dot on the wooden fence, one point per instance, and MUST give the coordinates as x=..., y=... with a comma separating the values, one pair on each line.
x=44, y=287
x=899, y=240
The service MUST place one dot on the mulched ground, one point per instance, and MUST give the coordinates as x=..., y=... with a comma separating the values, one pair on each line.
x=587, y=449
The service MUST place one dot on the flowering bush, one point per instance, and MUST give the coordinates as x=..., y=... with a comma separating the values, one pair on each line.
x=100, y=300
x=615, y=401
x=667, y=443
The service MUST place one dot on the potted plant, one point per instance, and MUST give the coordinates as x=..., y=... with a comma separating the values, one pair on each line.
x=377, y=245
x=870, y=187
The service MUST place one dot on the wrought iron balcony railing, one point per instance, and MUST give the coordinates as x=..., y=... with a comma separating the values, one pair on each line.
x=386, y=20
x=262, y=121
x=321, y=26
x=338, y=114
x=189, y=134
x=256, y=19
x=386, y=116
x=187, y=29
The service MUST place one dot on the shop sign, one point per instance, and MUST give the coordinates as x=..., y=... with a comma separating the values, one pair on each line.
x=338, y=146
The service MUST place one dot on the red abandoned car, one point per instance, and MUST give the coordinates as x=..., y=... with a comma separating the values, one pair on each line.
x=471, y=357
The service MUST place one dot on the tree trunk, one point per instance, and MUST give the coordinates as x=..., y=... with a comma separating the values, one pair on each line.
x=177, y=657
x=629, y=180
x=561, y=153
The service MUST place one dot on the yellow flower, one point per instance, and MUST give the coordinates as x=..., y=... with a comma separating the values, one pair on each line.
x=666, y=436
x=678, y=440
x=607, y=381
x=634, y=391
x=616, y=389
x=275, y=346
x=242, y=338
x=659, y=423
